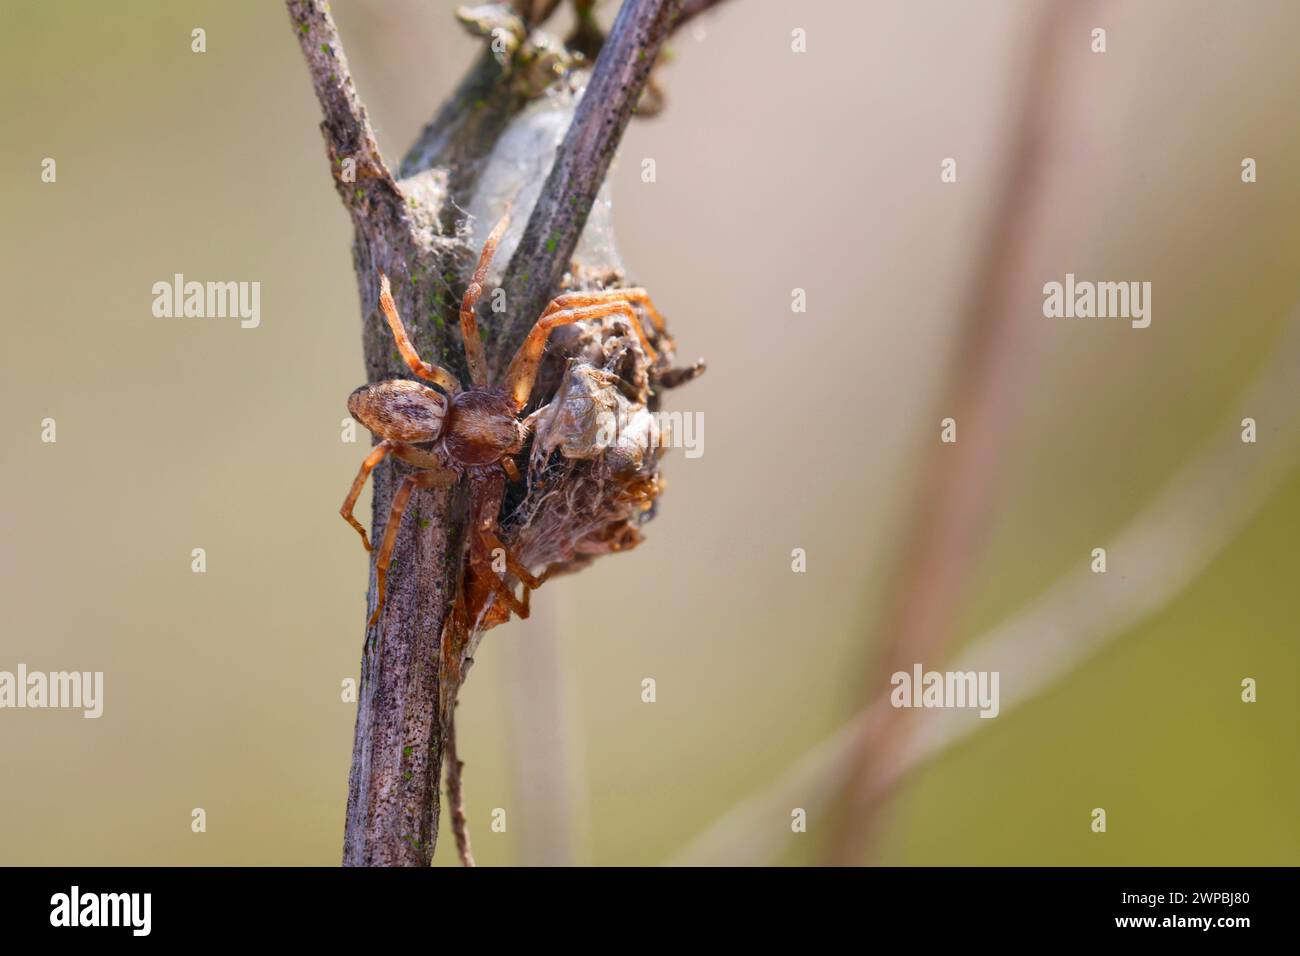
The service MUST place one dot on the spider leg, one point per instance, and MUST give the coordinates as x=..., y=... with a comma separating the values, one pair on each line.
x=432, y=373
x=488, y=542
x=372, y=460
x=681, y=375
x=638, y=295
x=517, y=607
x=671, y=378
x=523, y=367
x=573, y=300
x=425, y=479
x=474, y=356
x=529, y=579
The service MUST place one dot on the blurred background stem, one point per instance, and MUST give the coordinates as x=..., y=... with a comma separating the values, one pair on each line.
x=990, y=369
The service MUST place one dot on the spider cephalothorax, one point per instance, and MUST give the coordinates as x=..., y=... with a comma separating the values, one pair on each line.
x=472, y=432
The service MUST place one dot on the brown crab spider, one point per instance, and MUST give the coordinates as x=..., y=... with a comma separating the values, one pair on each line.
x=474, y=432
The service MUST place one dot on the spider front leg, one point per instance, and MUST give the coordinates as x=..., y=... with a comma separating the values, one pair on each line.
x=669, y=378
x=636, y=294
x=432, y=373
x=350, y=502
x=523, y=367
x=425, y=479
x=573, y=300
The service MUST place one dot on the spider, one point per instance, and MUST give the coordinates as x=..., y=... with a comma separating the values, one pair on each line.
x=473, y=432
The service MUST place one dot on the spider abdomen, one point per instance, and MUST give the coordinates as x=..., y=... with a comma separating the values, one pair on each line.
x=400, y=410
x=482, y=427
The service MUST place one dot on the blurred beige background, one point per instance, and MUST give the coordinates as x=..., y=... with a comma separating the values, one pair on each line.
x=775, y=171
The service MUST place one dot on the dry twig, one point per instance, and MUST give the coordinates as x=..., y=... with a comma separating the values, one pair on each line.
x=407, y=229
x=456, y=797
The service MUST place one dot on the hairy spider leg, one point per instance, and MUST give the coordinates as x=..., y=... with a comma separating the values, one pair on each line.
x=637, y=294
x=372, y=460
x=671, y=378
x=523, y=367
x=526, y=577
x=517, y=607
x=572, y=300
x=474, y=356
x=433, y=373
x=488, y=542
x=424, y=479
x=488, y=492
